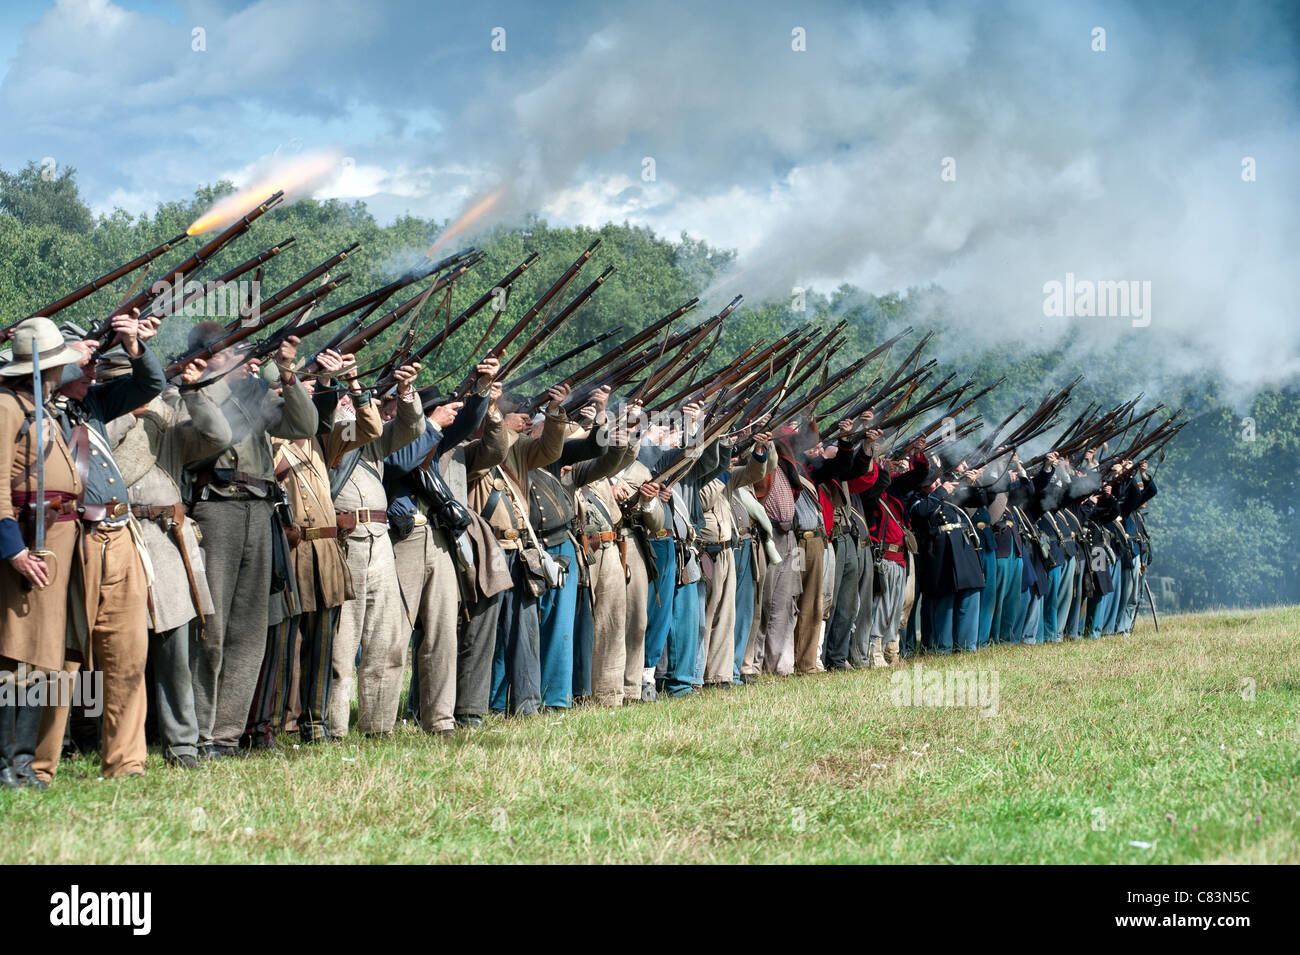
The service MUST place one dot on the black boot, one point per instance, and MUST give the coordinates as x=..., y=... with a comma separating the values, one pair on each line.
x=7, y=778
x=27, y=727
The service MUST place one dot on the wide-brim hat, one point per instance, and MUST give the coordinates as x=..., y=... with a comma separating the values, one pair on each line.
x=42, y=337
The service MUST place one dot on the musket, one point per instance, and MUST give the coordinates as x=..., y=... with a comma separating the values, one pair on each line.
x=178, y=274
x=364, y=336
x=243, y=268
x=72, y=298
x=459, y=321
x=247, y=331
x=553, y=325
x=294, y=287
x=561, y=359
x=500, y=348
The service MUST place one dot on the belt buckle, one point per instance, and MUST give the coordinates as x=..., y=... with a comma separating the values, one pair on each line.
x=119, y=509
x=419, y=519
x=498, y=484
x=511, y=535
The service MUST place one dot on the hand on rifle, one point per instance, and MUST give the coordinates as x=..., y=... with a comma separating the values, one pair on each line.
x=127, y=328
x=405, y=377
x=1052, y=460
x=487, y=369
x=665, y=492
x=761, y=441
x=192, y=373
x=949, y=486
x=557, y=394
x=331, y=361
x=1143, y=467
x=494, y=393
x=443, y=415
x=149, y=326
x=620, y=491
x=846, y=427
x=973, y=474
x=599, y=397
x=649, y=491
x=867, y=416
x=873, y=435
x=284, y=356
x=31, y=567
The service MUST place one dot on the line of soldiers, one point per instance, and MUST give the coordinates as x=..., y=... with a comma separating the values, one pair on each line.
x=228, y=552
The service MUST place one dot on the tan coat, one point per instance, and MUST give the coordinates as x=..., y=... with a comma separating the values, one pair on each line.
x=305, y=476
x=715, y=497
x=523, y=454
x=32, y=622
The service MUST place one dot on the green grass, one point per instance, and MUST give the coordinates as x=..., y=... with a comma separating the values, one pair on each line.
x=1154, y=738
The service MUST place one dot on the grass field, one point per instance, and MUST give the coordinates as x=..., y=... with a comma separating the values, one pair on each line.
x=1186, y=742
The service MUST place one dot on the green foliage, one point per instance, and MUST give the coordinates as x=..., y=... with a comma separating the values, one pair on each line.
x=1225, y=523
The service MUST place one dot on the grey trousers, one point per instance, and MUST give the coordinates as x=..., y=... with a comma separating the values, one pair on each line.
x=848, y=578
x=638, y=603
x=173, y=691
x=227, y=660
x=887, y=615
x=431, y=595
x=474, y=646
x=781, y=588
x=374, y=621
x=860, y=636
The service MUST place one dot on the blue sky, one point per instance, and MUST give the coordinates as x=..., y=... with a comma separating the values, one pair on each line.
x=818, y=165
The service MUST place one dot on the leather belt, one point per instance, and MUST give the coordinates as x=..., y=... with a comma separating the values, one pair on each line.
x=598, y=540
x=418, y=519
x=347, y=520
x=238, y=480
x=152, y=512
x=57, y=505
x=893, y=548
x=943, y=528
x=94, y=513
x=506, y=535
x=319, y=533
x=809, y=535
x=661, y=534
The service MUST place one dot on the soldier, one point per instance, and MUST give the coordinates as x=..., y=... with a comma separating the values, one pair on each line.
x=33, y=586
x=150, y=447
x=318, y=563
x=949, y=573
x=112, y=634
x=430, y=527
x=232, y=504
x=556, y=519
x=500, y=494
x=641, y=518
x=719, y=546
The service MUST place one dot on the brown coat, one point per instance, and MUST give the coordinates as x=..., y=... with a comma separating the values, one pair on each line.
x=32, y=622
x=307, y=484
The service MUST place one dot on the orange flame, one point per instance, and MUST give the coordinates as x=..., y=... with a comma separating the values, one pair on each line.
x=297, y=176
x=474, y=212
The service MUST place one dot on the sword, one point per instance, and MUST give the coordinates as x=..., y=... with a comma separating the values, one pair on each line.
x=38, y=415
x=1151, y=598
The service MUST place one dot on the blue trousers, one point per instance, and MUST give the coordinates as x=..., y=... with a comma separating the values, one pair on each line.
x=1127, y=601
x=1033, y=617
x=683, y=640
x=659, y=606
x=516, y=664
x=584, y=641
x=951, y=621
x=1050, y=628
x=556, y=614
x=1116, y=595
x=1064, y=599
x=744, y=602
x=1006, y=603
x=988, y=596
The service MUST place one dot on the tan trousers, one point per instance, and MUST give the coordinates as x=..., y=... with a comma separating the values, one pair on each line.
x=752, y=664
x=430, y=594
x=720, y=618
x=117, y=617
x=636, y=611
x=372, y=620
x=609, y=618
x=811, y=598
